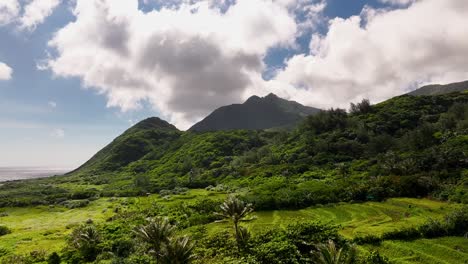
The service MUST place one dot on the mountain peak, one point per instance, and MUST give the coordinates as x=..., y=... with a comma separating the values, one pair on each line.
x=256, y=113
x=271, y=96
x=154, y=123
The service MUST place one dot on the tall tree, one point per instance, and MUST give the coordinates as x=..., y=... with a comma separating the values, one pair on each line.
x=235, y=210
x=156, y=233
x=178, y=250
x=330, y=254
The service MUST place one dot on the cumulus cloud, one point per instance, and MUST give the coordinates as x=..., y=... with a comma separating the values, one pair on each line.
x=185, y=60
x=398, y=2
x=379, y=54
x=36, y=12
x=58, y=133
x=5, y=72
x=9, y=10
x=52, y=104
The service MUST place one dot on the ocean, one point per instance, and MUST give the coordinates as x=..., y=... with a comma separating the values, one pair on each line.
x=21, y=173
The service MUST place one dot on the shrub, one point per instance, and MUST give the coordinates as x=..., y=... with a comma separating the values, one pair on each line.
x=457, y=222
x=368, y=239
x=408, y=233
x=276, y=251
x=123, y=247
x=84, y=194
x=72, y=204
x=54, y=258
x=4, y=230
x=432, y=228
x=374, y=257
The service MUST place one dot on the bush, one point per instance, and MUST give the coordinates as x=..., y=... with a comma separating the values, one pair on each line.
x=368, y=239
x=408, y=233
x=4, y=230
x=123, y=247
x=374, y=257
x=457, y=222
x=72, y=204
x=53, y=258
x=432, y=228
x=276, y=251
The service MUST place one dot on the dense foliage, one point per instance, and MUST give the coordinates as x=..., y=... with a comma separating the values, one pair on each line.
x=407, y=146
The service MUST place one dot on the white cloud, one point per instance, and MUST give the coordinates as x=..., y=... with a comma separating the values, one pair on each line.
x=398, y=2
x=379, y=54
x=9, y=10
x=58, y=133
x=184, y=60
x=5, y=72
x=36, y=12
x=52, y=104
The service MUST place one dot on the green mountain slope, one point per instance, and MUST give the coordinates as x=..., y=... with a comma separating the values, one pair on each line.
x=150, y=136
x=256, y=113
x=436, y=89
x=407, y=146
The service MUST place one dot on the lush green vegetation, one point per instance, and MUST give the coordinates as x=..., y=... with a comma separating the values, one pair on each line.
x=43, y=230
x=156, y=193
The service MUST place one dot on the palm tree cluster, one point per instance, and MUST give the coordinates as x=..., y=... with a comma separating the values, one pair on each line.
x=86, y=239
x=330, y=254
x=164, y=245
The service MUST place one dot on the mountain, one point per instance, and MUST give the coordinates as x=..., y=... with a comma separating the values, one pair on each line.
x=256, y=113
x=332, y=156
x=436, y=89
x=148, y=136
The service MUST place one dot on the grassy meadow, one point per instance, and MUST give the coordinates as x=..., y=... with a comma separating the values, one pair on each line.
x=45, y=228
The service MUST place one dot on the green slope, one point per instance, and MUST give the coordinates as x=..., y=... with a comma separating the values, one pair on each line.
x=150, y=136
x=407, y=146
x=437, y=89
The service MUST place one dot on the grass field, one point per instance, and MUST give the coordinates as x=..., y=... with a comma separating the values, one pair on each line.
x=46, y=227
x=446, y=250
x=355, y=219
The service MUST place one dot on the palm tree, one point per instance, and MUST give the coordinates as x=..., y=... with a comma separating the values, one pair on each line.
x=156, y=233
x=86, y=240
x=330, y=254
x=235, y=210
x=178, y=250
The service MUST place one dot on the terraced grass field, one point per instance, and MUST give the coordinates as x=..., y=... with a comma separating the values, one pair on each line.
x=446, y=250
x=356, y=219
x=46, y=228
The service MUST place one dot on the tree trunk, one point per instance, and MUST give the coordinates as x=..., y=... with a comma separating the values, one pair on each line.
x=236, y=227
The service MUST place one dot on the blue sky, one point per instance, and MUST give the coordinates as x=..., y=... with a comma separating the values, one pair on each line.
x=52, y=114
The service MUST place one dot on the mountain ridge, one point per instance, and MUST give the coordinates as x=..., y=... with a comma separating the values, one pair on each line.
x=437, y=89
x=255, y=113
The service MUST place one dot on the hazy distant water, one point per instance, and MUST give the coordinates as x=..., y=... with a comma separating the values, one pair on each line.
x=20, y=173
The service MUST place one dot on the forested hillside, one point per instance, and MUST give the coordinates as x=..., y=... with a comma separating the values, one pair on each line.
x=407, y=146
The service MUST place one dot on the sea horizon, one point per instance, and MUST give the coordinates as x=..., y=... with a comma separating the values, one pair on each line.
x=12, y=173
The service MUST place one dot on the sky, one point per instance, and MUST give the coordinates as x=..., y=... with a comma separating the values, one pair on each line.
x=74, y=74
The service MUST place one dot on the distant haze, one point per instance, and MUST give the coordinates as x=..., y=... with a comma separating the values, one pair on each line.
x=20, y=173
